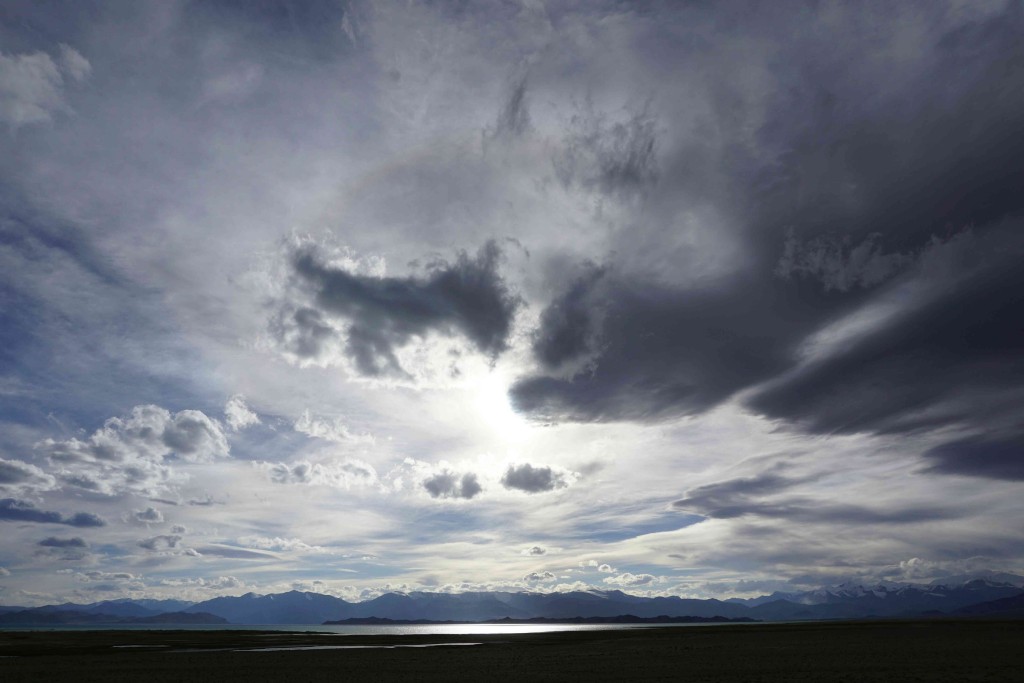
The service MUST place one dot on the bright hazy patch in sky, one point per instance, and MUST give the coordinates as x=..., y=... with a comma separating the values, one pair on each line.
x=683, y=298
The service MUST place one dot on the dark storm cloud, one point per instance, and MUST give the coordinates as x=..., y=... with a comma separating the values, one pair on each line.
x=856, y=172
x=531, y=479
x=466, y=297
x=661, y=351
x=929, y=365
x=569, y=326
x=446, y=484
x=743, y=497
x=13, y=510
x=979, y=457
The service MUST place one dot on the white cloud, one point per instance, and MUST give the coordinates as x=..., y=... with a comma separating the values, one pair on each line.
x=539, y=577
x=606, y=569
x=628, y=579
x=238, y=415
x=279, y=544
x=329, y=429
x=161, y=542
x=148, y=516
x=133, y=454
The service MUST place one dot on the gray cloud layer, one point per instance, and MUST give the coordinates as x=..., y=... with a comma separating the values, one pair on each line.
x=750, y=497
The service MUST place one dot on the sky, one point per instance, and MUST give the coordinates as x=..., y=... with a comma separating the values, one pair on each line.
x=675, y=298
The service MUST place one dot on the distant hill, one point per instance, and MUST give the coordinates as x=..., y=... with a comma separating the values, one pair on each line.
x=294, y=607
x=46, y=617
x=851, y=601
x=961, y=596
x=1004, y=608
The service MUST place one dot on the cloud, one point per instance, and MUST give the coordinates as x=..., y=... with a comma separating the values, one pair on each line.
x=148, y=516
x=979, y=457
x=22, y=477
x=513, y=118
x=230, y=552
x=54, y=542
x=606, y=569
x=661, y=351
x=13, y=510
x=539, y=577
x=133, y=454
x=74, y=64
x=344, y=474
x=328, y=429
x=617, y=157
x=149, y=433
x=160, y=542
x=534, y=550
x=279, y=544
x=730, y=227
x=238, y=415
x=569, y=331
x=838, y=264
x=4, y=571
x=381, y=314
x=819, y=218
x=628, y=579
x=65, y=549
x=531, y=479
x=106, y=576
x=32, y=85
x=748, y=496
x=951, y=357
x=448, y=484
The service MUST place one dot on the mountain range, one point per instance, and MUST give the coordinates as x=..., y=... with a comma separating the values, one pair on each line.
x=994, y=595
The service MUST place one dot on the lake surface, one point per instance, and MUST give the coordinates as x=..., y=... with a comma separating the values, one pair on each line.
x=393, y=630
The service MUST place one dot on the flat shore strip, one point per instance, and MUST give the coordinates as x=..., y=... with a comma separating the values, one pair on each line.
x=836, y=651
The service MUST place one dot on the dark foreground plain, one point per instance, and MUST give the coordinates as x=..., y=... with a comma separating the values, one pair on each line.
x=849, y=651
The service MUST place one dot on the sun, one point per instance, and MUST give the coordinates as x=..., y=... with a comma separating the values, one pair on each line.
x=492, y=405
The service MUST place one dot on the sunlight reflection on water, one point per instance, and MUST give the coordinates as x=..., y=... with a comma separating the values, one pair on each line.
x=353, y=630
